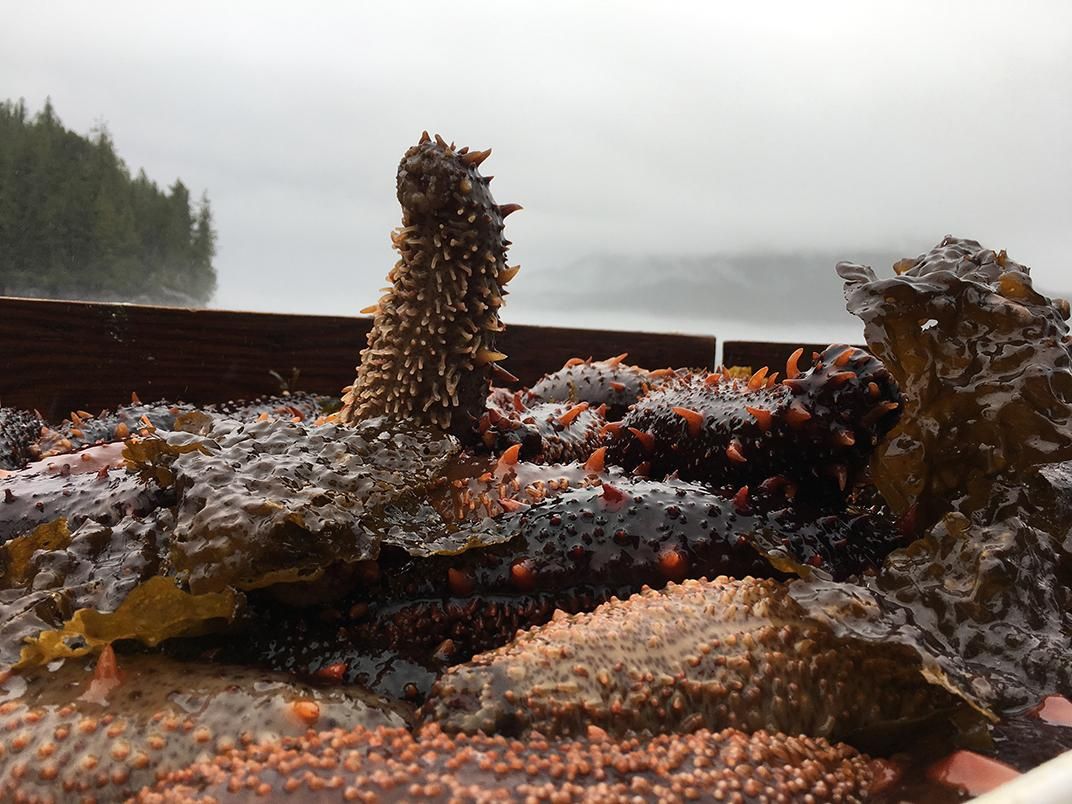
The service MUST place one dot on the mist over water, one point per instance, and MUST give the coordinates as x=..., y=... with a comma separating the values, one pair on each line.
x=700, y=168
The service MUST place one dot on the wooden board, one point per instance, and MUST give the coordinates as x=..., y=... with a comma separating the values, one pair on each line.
x=58, y=356
x=766, y=353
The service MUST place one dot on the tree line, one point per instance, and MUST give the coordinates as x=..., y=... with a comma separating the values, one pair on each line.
x=75, y=224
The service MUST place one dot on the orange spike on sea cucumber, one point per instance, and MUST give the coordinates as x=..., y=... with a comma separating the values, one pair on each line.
x=574, y=361
x=772, y=380
x=673, y=565
x=694, y=419
x=508, y=273
x=617, y=359
x=501, y=374
x=512, y=506
x=510, y=455
x=843, y=357
x=474, y=158
x=611, y=428
x=523, y=576
x=844, y=437
x=740, y=500
x=567, y=418
x=612, y=494
x=763, y=417
x=841, y=377
x=756, y=381
x=485, y=356
x=713, y=379
x=734, y=452
x=617, y=386
x=647, y=440
x=792, y=371
x=797, y=414
x=509, y=209
x=424, y=138
x=597, y=461
x=134, y=398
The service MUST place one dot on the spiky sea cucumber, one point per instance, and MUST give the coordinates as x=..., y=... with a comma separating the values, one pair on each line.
x=815, y=429
x=611, y=382
x=548, y=432
x=432, y=350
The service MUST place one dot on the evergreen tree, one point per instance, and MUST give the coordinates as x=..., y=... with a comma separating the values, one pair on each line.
x=75, y=224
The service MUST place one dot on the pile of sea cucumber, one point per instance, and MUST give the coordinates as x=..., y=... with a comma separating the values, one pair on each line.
x=620, y=584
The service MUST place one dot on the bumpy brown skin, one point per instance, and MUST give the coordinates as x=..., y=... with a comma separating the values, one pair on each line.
x=67, y=736
x=816, y=430
x=726, y=654
x=431, y=352
x=393, y=765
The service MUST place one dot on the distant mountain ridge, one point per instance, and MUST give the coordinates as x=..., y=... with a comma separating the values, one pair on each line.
x=778, y=287
x=787, y=287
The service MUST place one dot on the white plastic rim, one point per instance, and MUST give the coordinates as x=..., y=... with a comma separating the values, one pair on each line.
x=1049, y=783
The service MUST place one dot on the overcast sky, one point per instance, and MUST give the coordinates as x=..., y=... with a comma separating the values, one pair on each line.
x=632, y=128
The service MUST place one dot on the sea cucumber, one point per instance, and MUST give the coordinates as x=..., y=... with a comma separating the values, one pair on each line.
x=432, y=350
x=815, y=429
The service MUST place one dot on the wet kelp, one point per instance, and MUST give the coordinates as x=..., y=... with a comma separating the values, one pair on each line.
x=984, y=360
x=256, y=504
x=65, y=594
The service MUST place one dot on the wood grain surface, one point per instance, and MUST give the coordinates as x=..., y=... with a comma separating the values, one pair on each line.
x=58, y=356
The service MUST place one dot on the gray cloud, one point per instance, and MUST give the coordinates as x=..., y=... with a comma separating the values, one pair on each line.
x=682, y=131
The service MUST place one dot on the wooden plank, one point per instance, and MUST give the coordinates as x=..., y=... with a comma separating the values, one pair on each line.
x=58, y=356
x=766, y=353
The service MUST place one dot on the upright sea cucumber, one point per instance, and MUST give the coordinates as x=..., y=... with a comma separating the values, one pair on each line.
x=432, y=349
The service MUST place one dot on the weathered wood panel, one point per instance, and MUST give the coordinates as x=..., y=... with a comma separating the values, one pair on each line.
x=766, y=353
x=58, y=356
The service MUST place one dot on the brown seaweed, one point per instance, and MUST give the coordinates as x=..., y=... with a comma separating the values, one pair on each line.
x=985, y=594
x=277, y=501
x=65, y=594
x=984, y=362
